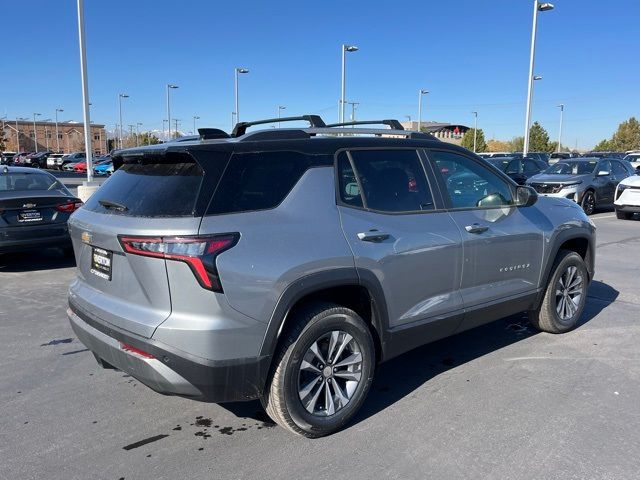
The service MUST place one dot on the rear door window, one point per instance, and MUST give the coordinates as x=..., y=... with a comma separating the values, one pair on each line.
x=391, y=181
x=149, y=190
x=258, y=181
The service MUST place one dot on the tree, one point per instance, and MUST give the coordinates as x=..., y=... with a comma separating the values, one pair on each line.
x=467, y=140
x=516, y=144
x=498, y=146
x=538, y=138
x=604, y=146
x=627, y=137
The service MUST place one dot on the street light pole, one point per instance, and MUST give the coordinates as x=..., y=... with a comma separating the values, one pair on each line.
x=169, y=87
x=280, y=108
x=421, y=92
x=238, y=70
x=85, y=91
x=195, y=117
x=537, y=7
x=120, y=97
x=164, y=137
x=57, y=135
x=35, y=132
x=561, y=106
x=345, y=49
x=475, y=131
x=233, y=120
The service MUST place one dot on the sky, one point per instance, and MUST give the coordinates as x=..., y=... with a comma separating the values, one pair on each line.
x=471, y=55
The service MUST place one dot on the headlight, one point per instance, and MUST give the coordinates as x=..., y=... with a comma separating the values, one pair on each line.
x=572, y=184
x=622, y=187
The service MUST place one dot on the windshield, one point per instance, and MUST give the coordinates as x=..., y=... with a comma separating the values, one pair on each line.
x=28, y=181
x=572, y=168
x=499, y=163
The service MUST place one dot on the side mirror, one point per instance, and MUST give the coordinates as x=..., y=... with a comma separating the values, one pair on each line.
x=526, y=196
x=604, y=173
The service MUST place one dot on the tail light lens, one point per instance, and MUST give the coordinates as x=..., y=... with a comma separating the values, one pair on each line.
x=199, y=252
x=69, y=207
x=131, y=349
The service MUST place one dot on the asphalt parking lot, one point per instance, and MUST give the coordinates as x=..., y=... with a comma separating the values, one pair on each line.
x=500, y=401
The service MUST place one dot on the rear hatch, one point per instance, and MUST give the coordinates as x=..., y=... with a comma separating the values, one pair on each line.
x=154, y=194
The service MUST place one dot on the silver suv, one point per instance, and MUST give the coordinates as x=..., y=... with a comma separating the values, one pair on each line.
x=285, y=264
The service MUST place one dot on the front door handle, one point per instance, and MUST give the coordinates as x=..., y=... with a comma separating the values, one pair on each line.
x=476, y=228
x=373, y=236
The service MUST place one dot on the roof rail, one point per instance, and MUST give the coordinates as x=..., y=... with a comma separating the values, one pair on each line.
x=241, y=127
x=394, y=124
x=211, y=133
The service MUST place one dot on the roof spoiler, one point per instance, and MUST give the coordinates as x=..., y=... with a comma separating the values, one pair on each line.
x=241, y=127
x=211, y=133
x=394, y=124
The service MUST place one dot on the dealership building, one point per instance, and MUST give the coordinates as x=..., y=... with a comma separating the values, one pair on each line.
x=20, y=136
x=447, y=132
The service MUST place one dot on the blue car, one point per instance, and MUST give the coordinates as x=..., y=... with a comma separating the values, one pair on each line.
x=104, y=169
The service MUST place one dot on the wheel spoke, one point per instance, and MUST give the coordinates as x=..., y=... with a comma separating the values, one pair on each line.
x=350, y=360
x=329, y=405
x=576, y=282
x=333, y=341
x=346, y=375
x=311, y=400
x=316, y=351
x=306, y=390
x=342, y=397
x=346, y=339
x=309, y=366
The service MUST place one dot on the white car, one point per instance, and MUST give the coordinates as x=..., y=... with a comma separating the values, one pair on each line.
x=627, y=197
x=633, y=158
x=55, y=161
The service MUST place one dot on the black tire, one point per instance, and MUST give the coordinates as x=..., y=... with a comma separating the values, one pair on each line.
x=547, y=317
x=623, y=215
x=282, y=397
x=589, y=202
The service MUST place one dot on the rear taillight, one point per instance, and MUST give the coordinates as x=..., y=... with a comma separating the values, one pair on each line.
x=131, y=349
x=199, y=253
x=69, y=207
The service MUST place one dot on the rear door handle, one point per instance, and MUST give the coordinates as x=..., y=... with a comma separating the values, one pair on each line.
x=476, y=228
x=373, y=236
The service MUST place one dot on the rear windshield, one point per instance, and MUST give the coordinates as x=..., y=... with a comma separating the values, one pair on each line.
x=149, y=190
x=28, y=181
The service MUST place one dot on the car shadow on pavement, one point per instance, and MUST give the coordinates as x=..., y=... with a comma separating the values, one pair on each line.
x=400, y=376
x=48, y=259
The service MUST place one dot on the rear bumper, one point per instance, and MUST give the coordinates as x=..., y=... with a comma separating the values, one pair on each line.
x=170, y=371
x=13, y=239
x=628, y=208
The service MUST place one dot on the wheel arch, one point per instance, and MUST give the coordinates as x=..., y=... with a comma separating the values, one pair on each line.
x=358, y=290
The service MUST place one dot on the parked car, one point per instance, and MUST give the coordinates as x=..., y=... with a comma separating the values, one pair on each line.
x=6, y=158
x=105, y=168
x=618, y=155
x=37, y=159
x=634, y=159
x=54, y=161
x=590, y=182
x=519, y=169
x=34, y=209
x=627, y=201
x=81, y=167
x=542, y=156
x=72, y=158
x=19, y=159
x=285, y=264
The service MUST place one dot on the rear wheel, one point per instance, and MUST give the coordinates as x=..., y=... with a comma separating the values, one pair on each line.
x=565, y=296
x=623, y=215
x=588, y=203
x=323, y=371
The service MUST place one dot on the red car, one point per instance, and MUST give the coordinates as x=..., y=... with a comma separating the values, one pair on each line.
x=80, y=167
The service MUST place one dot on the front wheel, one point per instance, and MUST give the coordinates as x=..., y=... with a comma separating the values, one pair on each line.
x=623, y=215
x=565, y=296
x=588, y=202
x=323, y=371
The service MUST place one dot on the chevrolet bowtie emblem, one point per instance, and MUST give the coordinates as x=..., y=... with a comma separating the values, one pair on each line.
x=28, y=205
x=86, y=237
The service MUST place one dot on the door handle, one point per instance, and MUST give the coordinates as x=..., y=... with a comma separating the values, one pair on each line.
x=373, y=236
x=476, y=228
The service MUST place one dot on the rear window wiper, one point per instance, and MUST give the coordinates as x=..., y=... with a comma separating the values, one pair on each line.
x=120, y=207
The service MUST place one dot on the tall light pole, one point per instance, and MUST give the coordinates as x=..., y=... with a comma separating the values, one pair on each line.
x=475, y=131
x=170, y=86
x=238, y=71
x=233, y=120
x=57, y=134
x=164, y=137
x=120, y=97
x=345, y=49
x=85, y=91
x=280, y=108
x=561, y=107
x=537, y=7
x=354, y=105
x=195, y=117
x=421, y=92
x=35, y=132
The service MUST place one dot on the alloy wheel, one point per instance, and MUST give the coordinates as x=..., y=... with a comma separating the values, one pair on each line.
x=330, y=373
x=569, y=293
